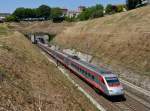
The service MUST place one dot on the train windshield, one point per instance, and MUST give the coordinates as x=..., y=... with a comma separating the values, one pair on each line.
x=112, y=81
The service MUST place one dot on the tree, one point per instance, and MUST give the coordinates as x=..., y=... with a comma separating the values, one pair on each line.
x=30, y=13
x=23, y=13
x=56, y=12
x=85, y=15
x=11, y=18
x=44, y=11
x=91, y=12
x=20, y=13
x=98, y=13
x=131, y=4
x=70, y=19
x=120, y=8
x=109, y=9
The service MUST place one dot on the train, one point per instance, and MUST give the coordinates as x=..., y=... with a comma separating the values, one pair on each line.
x=100, y=78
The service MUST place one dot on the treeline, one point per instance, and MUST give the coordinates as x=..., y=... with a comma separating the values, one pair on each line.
x=99, y=11
x=91, y=12
x=43, y=12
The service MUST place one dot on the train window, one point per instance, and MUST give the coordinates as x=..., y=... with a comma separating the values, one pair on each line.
x=112, y=81
x=96, y=79
x=93, y=77
x=75, y=66
x=89, y=74
x=86, y=73
x=82, y=71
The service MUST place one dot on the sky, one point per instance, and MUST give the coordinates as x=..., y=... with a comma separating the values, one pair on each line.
x=8, y=6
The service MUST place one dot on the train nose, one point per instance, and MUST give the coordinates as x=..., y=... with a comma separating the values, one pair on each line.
x=116, y=92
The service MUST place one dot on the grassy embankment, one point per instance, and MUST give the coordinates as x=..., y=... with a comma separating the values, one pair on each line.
x=119, y=40
x=28, y=82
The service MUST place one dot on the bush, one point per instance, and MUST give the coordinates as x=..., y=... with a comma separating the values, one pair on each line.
x=42, y=11
x=11, y=18
x=91, y=12
x=72, y=19
x=56, y=12
x=58, y=19
x=120, y=8
x=111, y=9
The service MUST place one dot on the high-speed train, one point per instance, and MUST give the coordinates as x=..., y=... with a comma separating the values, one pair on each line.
x=100, y=78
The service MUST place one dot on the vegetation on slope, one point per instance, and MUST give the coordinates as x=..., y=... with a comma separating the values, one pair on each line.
x=3, y=30
x=28, y=82
x=121, y=39
x=37, y=26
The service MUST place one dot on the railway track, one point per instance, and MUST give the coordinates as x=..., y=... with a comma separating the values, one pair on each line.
x=130, y=103
x=115, y=104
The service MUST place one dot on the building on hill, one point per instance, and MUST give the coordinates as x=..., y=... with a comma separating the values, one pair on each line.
x=75, y=13
x=72, y=13
x=81, y=8
x=64, y=11
x=3, y=16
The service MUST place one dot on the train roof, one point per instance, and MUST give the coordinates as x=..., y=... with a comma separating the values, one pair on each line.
x=95, y=68
x=99, y=70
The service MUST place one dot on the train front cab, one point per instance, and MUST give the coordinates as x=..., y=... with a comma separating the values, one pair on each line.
x=113, y=86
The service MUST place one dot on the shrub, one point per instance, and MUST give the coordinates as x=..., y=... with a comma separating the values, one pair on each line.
x=91, y=12
x=11, y=18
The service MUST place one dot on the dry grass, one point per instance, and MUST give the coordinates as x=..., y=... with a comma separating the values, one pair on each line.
x=3, y=30
x=28, y=82
x=121, y=39
x=43, y=26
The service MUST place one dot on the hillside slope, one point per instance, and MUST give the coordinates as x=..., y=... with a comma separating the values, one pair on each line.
x=28, y=82
x=121, y=39
x=40, y=26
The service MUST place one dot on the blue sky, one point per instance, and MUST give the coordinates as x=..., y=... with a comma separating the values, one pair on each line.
x=11, y=5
